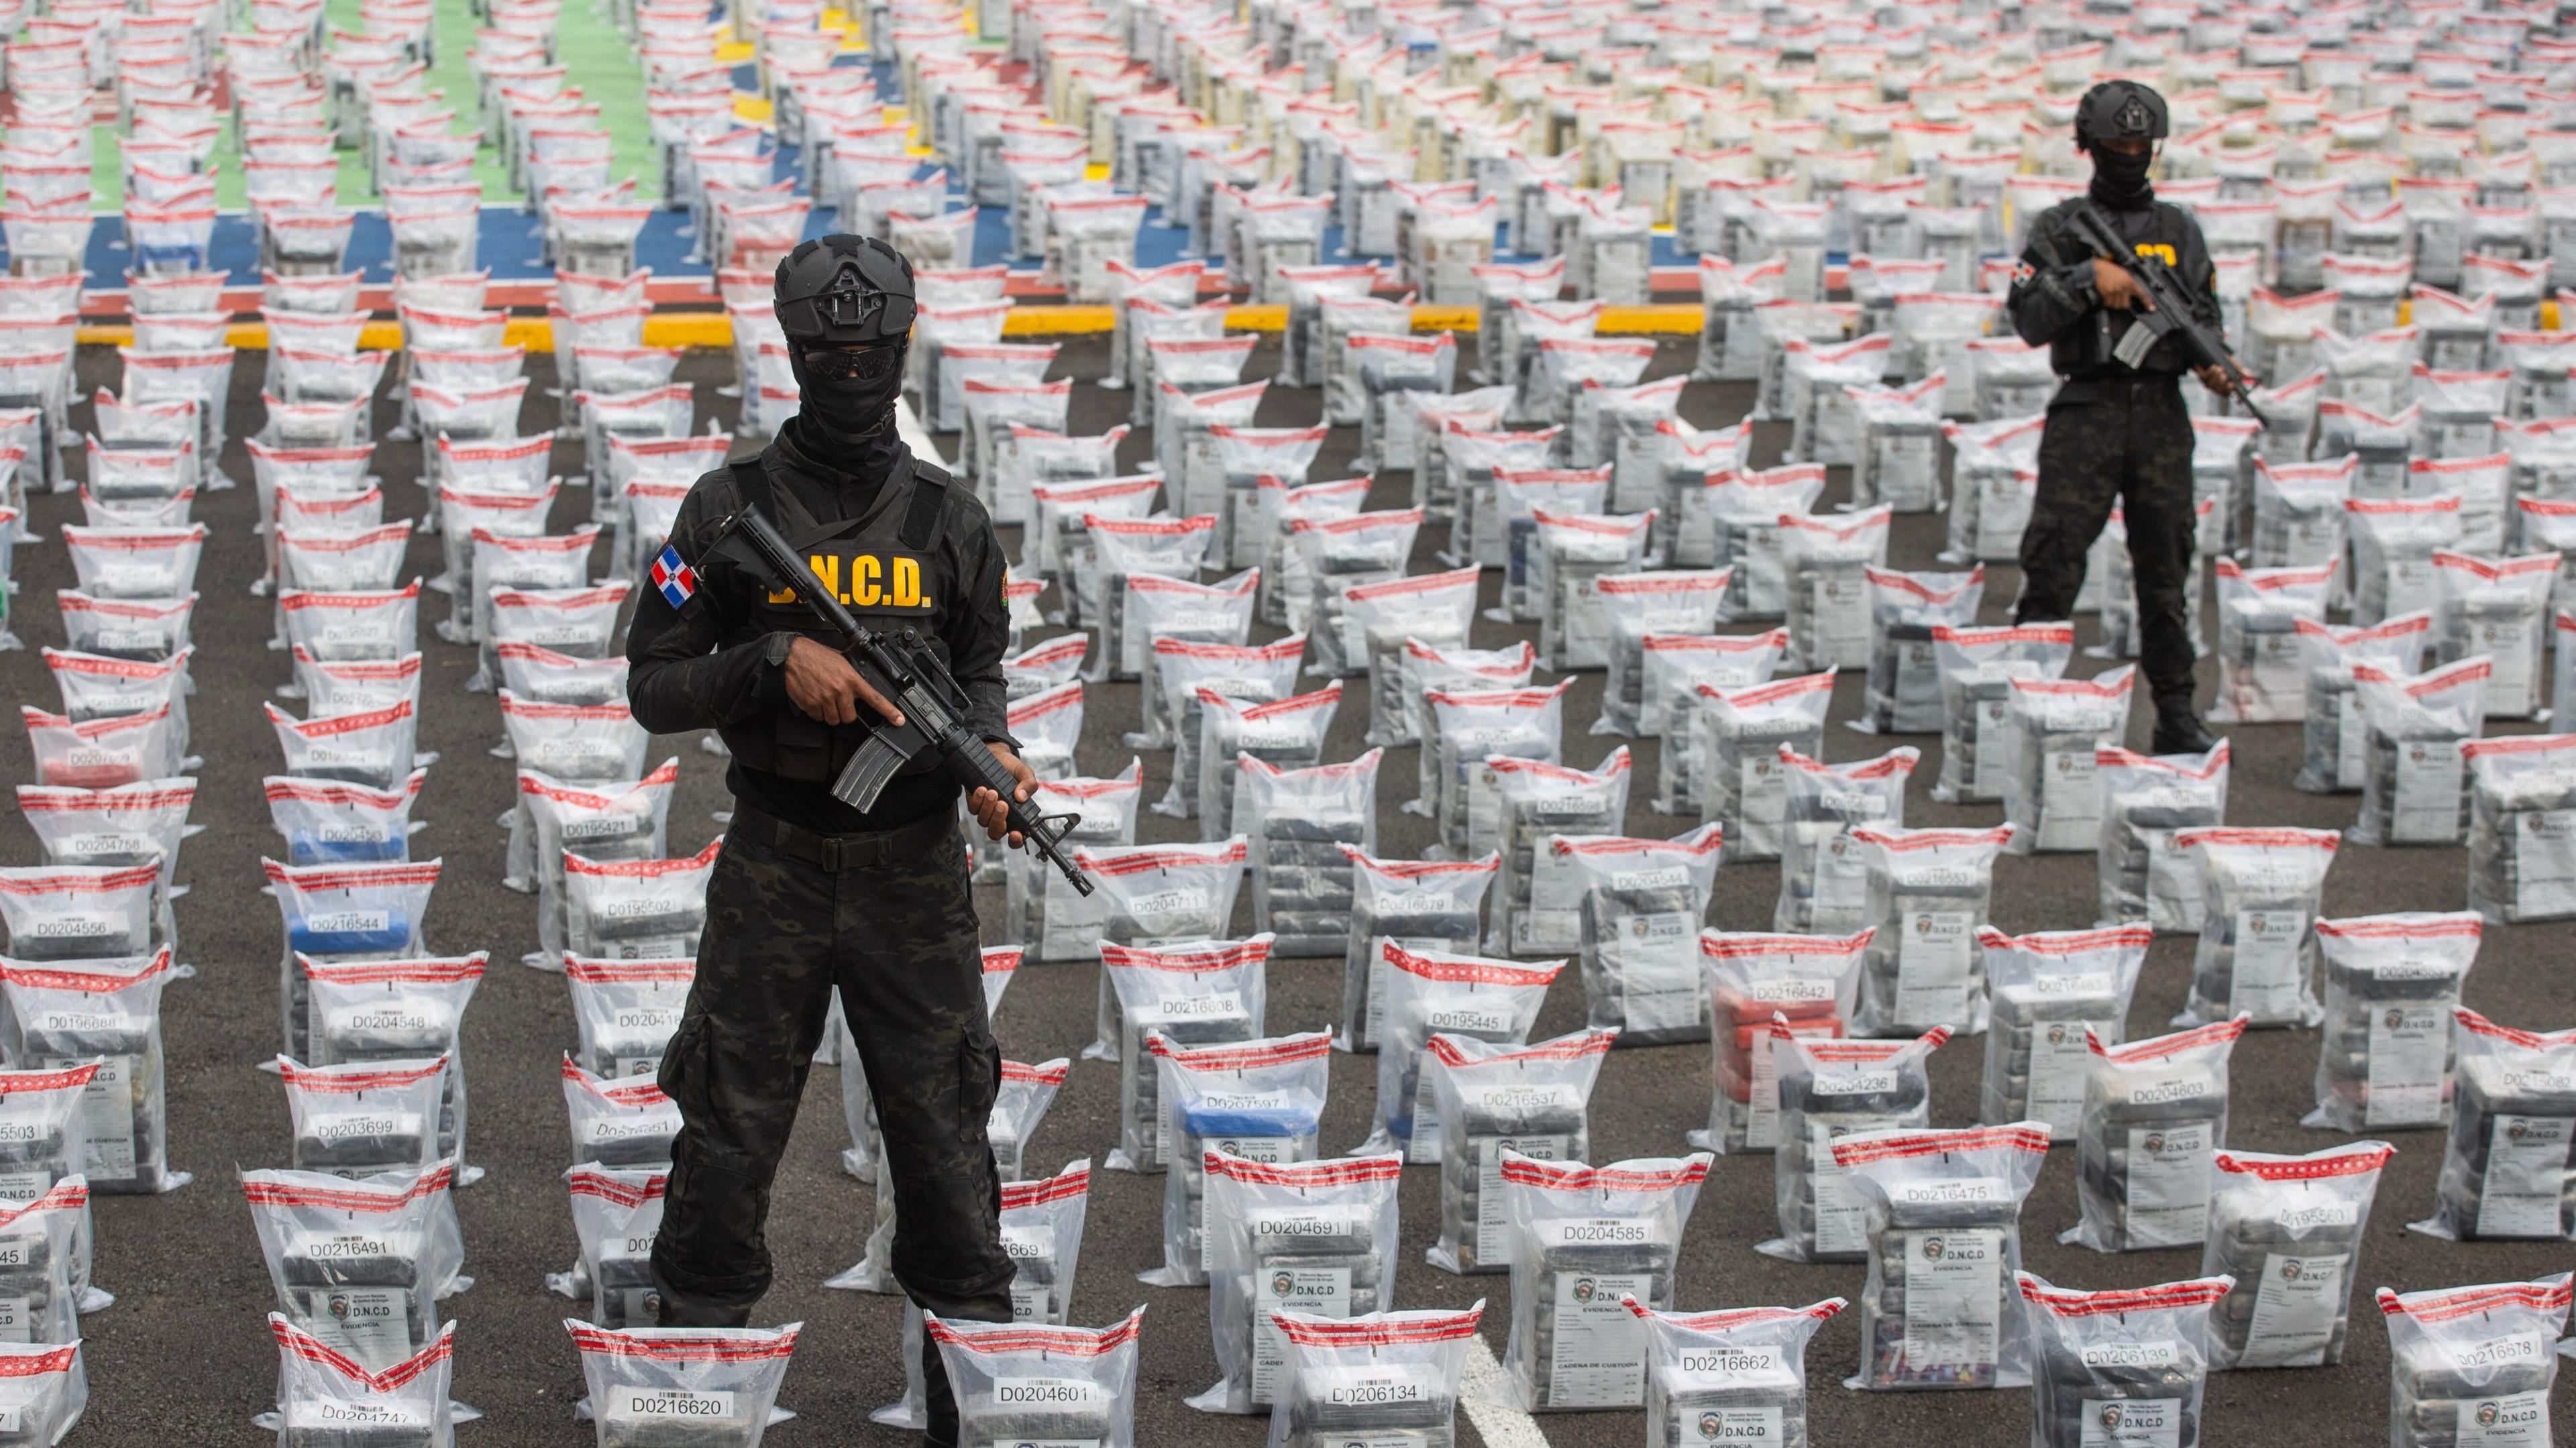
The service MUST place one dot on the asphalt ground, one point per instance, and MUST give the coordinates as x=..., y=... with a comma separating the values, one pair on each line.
x=183, y=1356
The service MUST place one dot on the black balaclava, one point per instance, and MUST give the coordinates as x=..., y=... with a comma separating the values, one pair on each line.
x=2120, y=178
x=848, y=413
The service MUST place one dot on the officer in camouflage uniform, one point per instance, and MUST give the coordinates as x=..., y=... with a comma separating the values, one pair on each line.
x=2116, y=432
x=810, y=895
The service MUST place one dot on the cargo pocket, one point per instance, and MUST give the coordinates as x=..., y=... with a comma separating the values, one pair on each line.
x=683, y=1073
x=979, y=1085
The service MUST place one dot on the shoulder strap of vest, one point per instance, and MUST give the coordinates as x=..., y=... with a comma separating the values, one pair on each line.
x=923, y=517
x=751, y=481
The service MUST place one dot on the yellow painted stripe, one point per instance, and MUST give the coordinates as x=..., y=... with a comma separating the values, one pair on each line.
x=735, y=52
x=751, y=108
x=713, y=329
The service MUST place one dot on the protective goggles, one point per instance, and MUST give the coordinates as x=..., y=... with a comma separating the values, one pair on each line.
x=828, y=365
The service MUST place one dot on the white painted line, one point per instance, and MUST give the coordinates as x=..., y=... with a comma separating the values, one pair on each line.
x=907, y=425
x=1487, y=1396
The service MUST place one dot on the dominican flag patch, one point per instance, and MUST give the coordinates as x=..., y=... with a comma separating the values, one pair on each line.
x=677, y=580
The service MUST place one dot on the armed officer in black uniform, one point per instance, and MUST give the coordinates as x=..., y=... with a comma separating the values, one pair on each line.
x=2117, y=432
x=810, y=895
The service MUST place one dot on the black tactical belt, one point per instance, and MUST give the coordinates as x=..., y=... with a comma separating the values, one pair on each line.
x=836, y=853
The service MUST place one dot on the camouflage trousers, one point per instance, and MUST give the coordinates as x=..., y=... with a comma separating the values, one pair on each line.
x=886, y=919
x=2125, y=443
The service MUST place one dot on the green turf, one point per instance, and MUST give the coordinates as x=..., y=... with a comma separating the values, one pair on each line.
x=593, y=50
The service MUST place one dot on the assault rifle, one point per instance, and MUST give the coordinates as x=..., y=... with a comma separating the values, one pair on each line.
x=2172, y=313
x=901, y=667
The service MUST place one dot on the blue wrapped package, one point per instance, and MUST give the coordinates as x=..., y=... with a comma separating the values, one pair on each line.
x=334, y=848
x=1258, y=1100
x=349, y=932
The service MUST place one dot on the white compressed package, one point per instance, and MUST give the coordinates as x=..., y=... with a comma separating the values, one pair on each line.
x=1471, y=726
x=577, y=743
x=1824, y=872
x=106, y=1012
x=1317, y=1233
x=1825, y=565
x=1640, y=903
x=1829, y=1089
x=363, y=625
x=1259, y=1100
x=637, y=909
x=2053, y=796
x=360, y=1265
x=1494, y=1099
x=1942, y=1213
x=1041, y=910
x=325, y=1394
x=1677, y=667
x=2261, y=678
x=1736, y=737
x=2288, y=1230
x=1636, y=606
x=1994, y=480
x=1284, y=733
x=1977, y=667
x=1569, y=554
x=2414, y=777
x=615, y=1216
x=1433, y=992
x=2048, y=992
x=624, y=1011
x=2259, y=890
x=2146, y=799
x=1429, y=611
x=2506, y=1172
x=1298, y=824
x=2521, y=829
x=2393, y=542
x=2497, y=608
x=1388, y=1376
x=1213, y=993
x=101, y=753
x=2134, y=1361
x=131, y=824
x=1928, y=894
x=2155, y=1112
x=1809, y=982
x=2335, y=738
x=1019, y=1382
x=1904, y=689
x=1536, y=905
x=2475, y=1358
x=80, y=912
x=2387, y=1057
x=618, y=1122
x=342, y=912
x=1582, y=1239
x=1735, y=1374
x=1416, y=904
x=721, y=1381
x=1744, y=510
x=1160, y=607
x=1189, y=673
x=614, y=823
x=373, y=747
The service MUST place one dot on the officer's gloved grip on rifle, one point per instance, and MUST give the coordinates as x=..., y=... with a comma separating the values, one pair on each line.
x=911, y=677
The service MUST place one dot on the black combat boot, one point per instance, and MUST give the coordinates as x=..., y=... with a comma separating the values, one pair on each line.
x=2178, y=728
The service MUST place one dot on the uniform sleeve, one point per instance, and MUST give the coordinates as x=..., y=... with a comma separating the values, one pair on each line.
x=2050, y=294
x=677, y=678
x=979, y=627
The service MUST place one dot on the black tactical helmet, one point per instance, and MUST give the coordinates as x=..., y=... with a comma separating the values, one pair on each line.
x=844, y=289
x=2119, y=110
